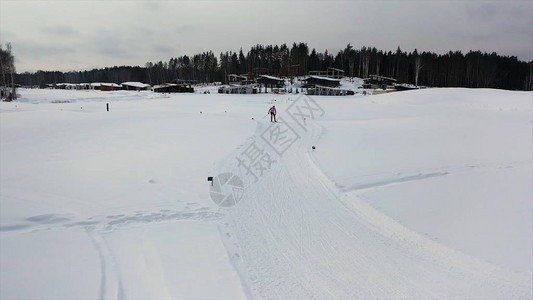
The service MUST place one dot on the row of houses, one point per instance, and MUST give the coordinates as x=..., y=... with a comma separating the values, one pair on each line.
x=101, y=86
x=325, y=83
x=177, y=86
x=315, y=84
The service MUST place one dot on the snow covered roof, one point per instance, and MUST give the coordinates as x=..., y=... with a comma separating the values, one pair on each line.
x=104, y=84
x=136, y=84
x=322, y=78
x=330, y=88
x=271, y=77
x=110, y=84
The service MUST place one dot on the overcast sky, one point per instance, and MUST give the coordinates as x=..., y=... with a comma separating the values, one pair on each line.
x=81, y=35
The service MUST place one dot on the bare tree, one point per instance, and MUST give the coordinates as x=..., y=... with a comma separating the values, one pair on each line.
x=418, y=65
x=149, y=66
x=7, y=65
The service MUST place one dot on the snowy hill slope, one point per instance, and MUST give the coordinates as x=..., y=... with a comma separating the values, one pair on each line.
x=423, y=194
x=299, y=236
x=453, y=164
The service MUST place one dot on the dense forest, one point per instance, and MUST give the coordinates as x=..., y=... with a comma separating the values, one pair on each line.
x=453, y=69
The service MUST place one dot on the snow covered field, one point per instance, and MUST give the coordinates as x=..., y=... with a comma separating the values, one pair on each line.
x=419, y=194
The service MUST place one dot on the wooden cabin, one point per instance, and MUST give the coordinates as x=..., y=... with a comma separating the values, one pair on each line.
x=379, y=82
x=136, y=86
x=271, y=82
x=65, y=86
x=234, y=79
x=173, y=88
x=107, y=87
x=330, y=73
x=320, y=90
x=312, y=81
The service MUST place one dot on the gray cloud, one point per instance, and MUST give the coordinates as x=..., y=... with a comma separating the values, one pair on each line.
x=59, y=31
x=187, y=29
x=164, y=49
x=68, y=35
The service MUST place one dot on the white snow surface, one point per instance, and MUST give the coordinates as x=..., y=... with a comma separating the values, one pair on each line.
x=415, y=194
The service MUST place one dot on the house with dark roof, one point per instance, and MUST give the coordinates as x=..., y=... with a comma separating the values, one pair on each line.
x=313, y=80
x=173, y=88
x=379, y=82
x=330, y=73
x=240, y=79
x=271, y=82
x=135, y=86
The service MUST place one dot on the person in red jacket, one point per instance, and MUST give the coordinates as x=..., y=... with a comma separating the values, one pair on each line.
x=272, y=112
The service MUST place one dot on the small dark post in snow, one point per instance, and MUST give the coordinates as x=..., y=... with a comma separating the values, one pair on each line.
x=210, y=179
x=107, y=104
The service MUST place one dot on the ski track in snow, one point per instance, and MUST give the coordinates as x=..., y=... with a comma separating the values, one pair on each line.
x=403, y=179
x=98, y=227
x=111, y=222
x=399, y=178
x=296, y=235
x=110, y=281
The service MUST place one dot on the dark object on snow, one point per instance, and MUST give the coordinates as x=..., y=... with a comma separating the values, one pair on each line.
x=210, y=179
x=313, y=147
x=252, y=118
x=107, y=104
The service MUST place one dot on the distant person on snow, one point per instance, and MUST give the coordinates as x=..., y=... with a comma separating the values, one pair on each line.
x=272, y=112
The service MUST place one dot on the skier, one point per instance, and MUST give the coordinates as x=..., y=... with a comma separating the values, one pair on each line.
x=272, y=112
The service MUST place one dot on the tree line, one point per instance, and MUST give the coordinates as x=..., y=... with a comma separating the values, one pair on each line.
x=453, y=69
